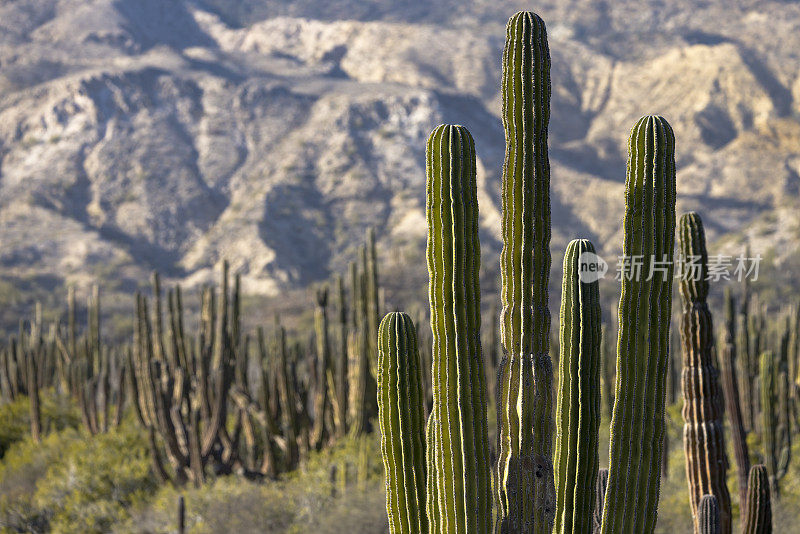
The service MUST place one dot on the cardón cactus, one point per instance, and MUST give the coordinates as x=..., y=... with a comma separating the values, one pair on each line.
x=637, y=425
x=578, y=411
x=458, y=469
x=757, y=517
x=708, y=513
x=703, y=436
x=524, y=470
x=401, y=415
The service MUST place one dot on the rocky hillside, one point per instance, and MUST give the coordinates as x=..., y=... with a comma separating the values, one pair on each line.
x=142, y=134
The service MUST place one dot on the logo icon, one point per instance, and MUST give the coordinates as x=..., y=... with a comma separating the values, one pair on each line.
x=591, y=267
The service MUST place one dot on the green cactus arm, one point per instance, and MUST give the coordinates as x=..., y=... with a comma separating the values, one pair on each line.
x=460, y=450
x=524, y=470
x=578, y=412
x=637, y=425
x=401, y=416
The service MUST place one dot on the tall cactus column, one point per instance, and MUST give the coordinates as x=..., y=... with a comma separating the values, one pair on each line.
x=401, y=415
x=703, y=438
x=524, y=471
x=731, y=387
x=645, y=306
x=578, y=411
x=459, y=486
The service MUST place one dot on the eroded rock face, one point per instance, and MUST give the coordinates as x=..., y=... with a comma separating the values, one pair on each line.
x=163, y=135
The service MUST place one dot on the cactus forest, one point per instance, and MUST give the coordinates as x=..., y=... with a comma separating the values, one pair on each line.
x=475, y=412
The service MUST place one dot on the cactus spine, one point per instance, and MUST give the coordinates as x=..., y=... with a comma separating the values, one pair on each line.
x=703, y=438
x=401, y=415
x=458, y=471
x=524, y=471
x=757, y=517
x=731, y=388
x=708, y=515
x=578, y=411
x=637, y=425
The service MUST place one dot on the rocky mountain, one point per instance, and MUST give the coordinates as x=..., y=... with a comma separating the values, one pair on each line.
x=142, y=134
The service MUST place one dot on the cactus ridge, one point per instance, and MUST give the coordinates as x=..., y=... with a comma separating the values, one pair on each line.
x=708, y=515
x=757, y=517
x=524, y=469
x=637, y=426
x=401, y=415
x=578, y=412
x=703, y=435
x=458, y=473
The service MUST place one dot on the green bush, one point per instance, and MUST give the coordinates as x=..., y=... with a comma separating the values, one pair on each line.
x=73, y=482
x=316, y=498
x=15, y=422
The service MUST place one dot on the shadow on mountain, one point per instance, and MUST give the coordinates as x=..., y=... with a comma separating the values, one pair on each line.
x=297, y=224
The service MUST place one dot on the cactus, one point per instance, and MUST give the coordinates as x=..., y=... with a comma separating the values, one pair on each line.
x=340, y=367
x=708, y=515
x=458, y=473
x=757, y=516
x=578, y=411
x=703, y=437
x=321, y=401
x=401, y=415
x=731, y=388
x=637, y=425
x=776, y=448
x=599, y=497
x=524, y=470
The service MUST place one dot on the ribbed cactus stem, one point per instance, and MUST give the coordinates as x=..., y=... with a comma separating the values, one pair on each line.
x=703, y=434
x=757, y=516
x=578, y=412
x=401, y=415
x=776, y=452
x=637, y=425
x=731, y=387
x=708, y=515
x=321, y=399
x=458, y=473
x=524, y=471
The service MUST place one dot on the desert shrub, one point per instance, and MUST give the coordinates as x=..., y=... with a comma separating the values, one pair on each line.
x=15, y=423
x=338, y=490
x=95, y=480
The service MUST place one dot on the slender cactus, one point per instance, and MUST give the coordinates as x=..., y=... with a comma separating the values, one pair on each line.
x=703, y=435
x=731, y=388
x=708, y=515
x=321, y=398
x=340, y=367
x=578, y=411
x=757, y=516
x=524, y=471
x=459, y=498
x=637, y=425
x=776, y=450
x=401, y=415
